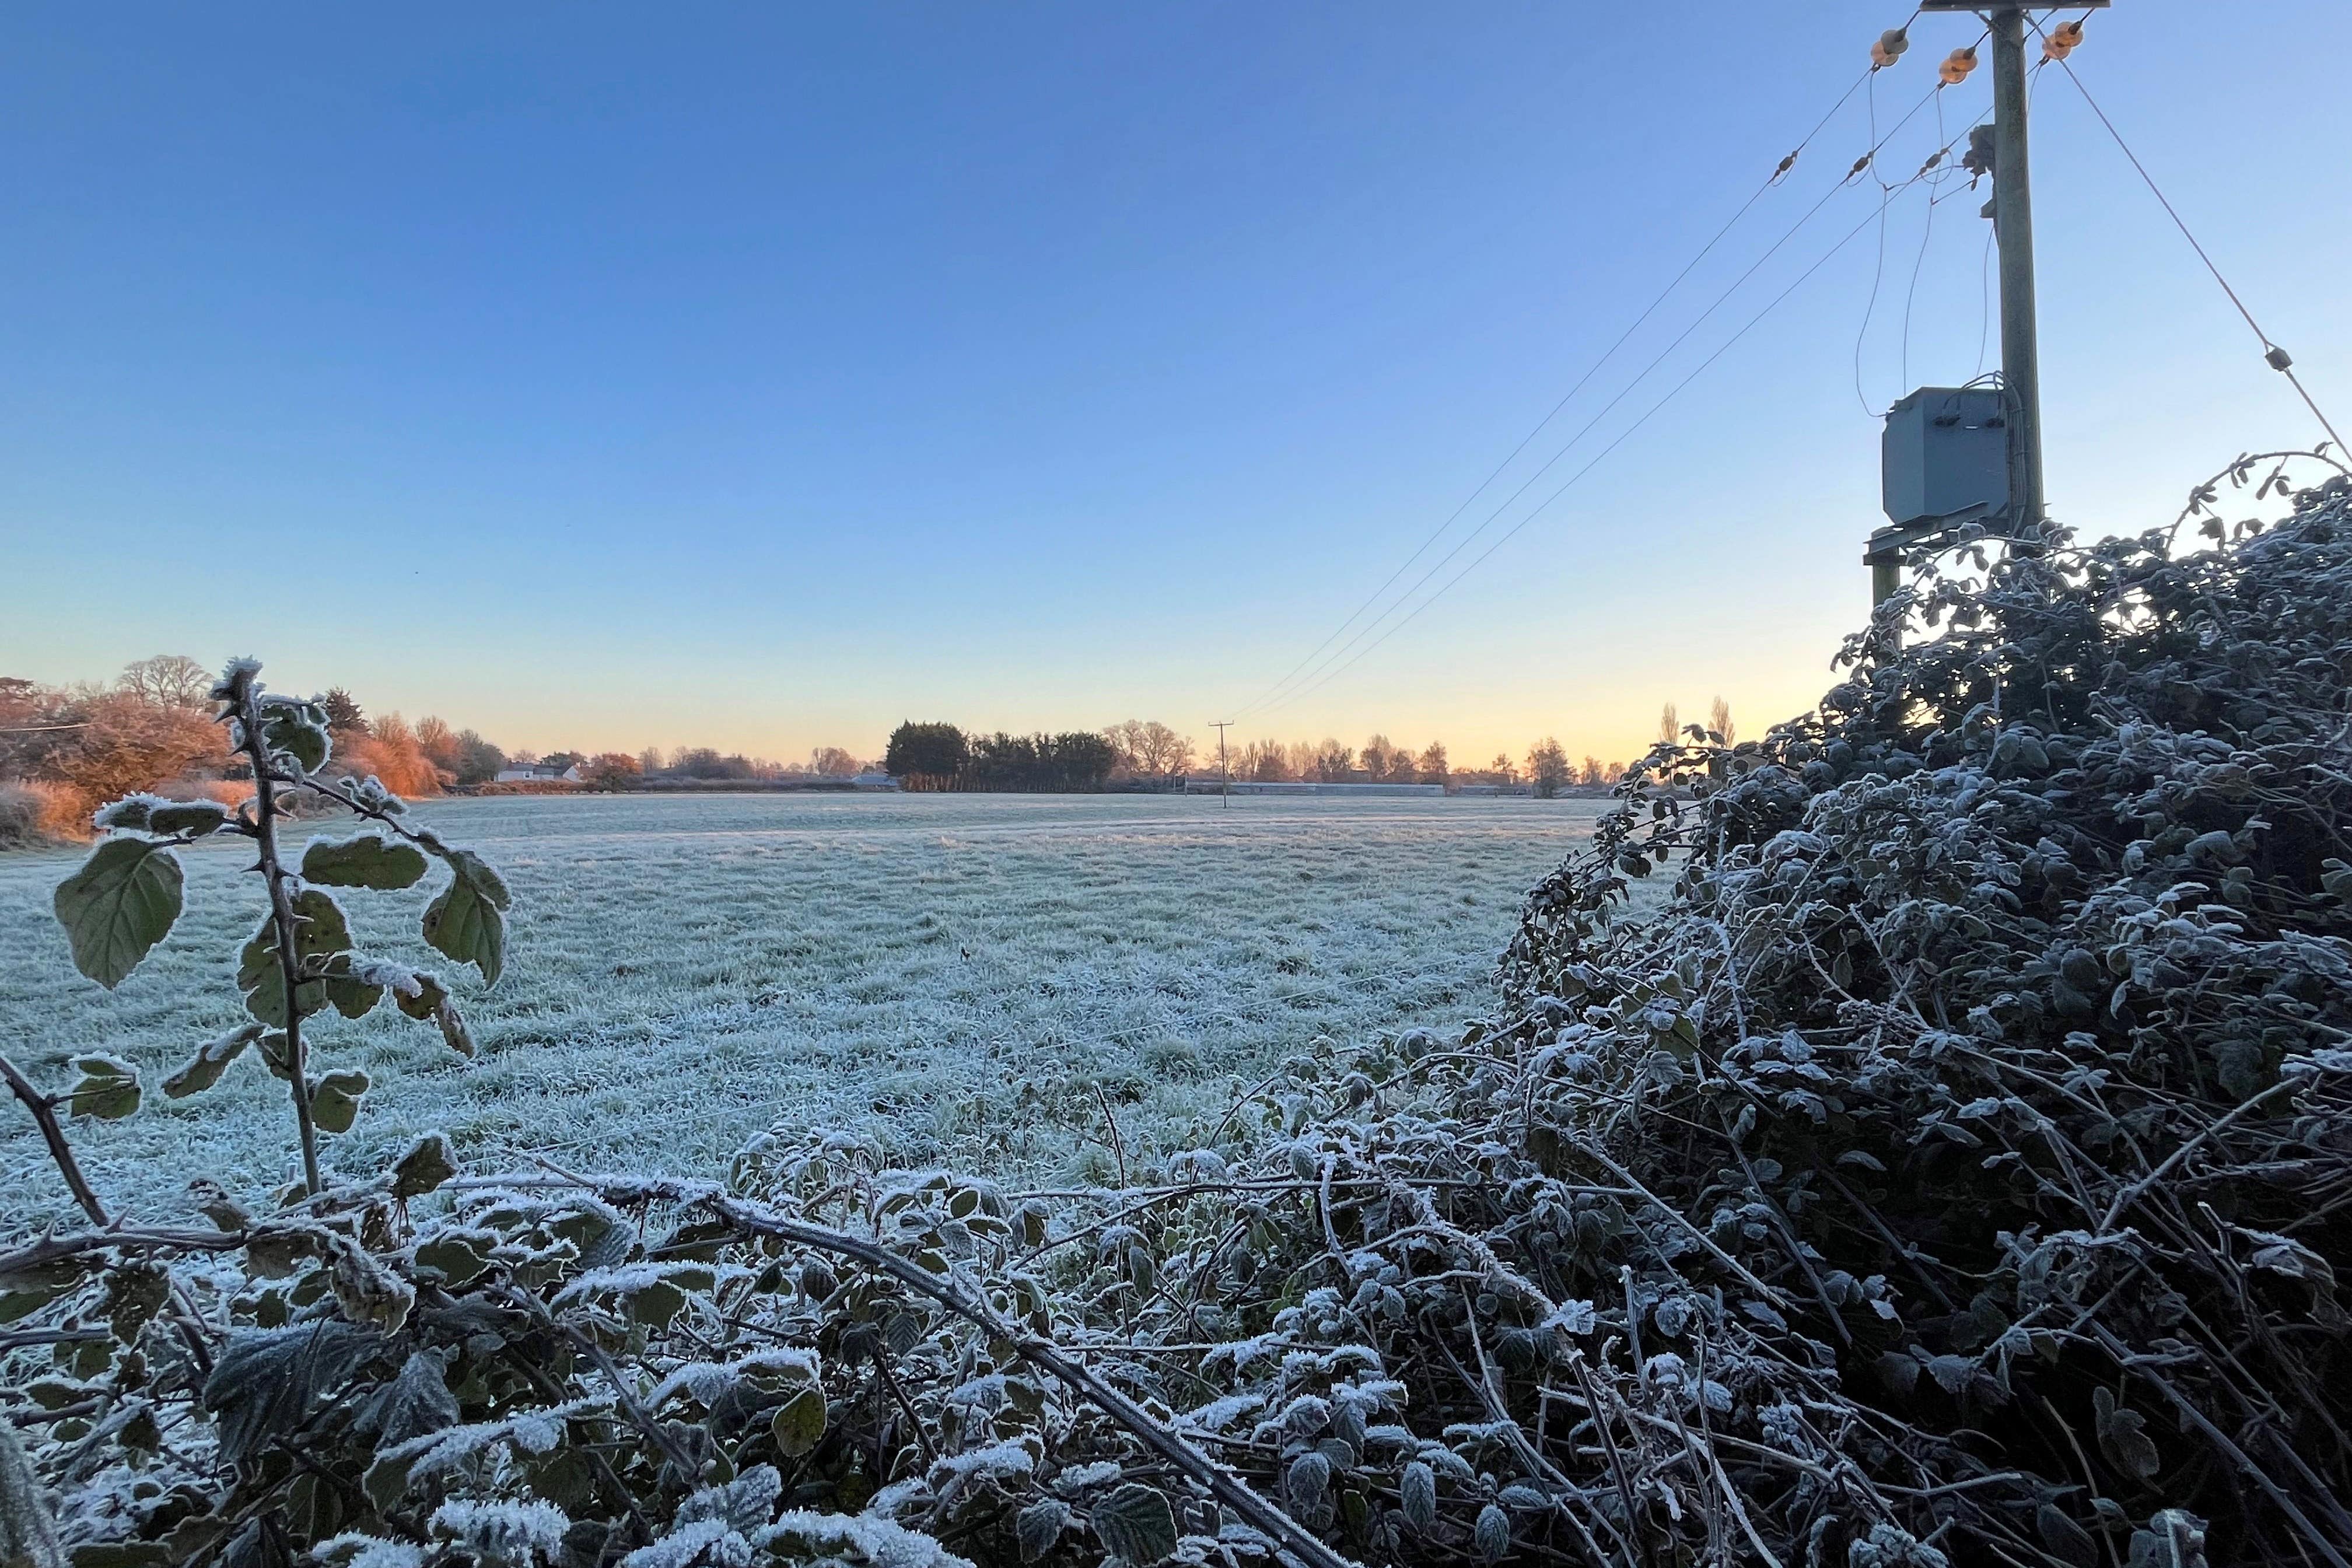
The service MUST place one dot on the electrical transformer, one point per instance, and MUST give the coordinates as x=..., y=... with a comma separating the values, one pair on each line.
x=1944, y=458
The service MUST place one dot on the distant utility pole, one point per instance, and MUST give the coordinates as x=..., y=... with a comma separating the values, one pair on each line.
x=1225, y=773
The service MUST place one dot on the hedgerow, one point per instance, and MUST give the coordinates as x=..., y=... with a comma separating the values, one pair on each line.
x=1955, y=1170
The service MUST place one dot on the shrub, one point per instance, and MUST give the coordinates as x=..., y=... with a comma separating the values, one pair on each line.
x=35, y=815
x=1954, y=1170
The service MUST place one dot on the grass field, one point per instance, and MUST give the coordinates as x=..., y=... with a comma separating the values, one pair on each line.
x=955, y=974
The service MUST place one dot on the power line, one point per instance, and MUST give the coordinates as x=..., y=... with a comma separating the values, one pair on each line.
x=1778, y=174
x=2273, y=355
x=1545, y=504
x=1314, y=679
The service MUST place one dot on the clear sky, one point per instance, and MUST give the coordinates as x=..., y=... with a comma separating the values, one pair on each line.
x=760, y=375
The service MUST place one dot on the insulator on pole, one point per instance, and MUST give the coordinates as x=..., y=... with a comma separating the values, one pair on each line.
x=2062, y=40
x=1957, y=66
x=1889, y=48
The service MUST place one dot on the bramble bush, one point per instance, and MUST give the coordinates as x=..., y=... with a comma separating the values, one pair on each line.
x=1955, y=1170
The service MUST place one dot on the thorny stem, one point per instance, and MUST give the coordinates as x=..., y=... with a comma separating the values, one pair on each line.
x=281, y=915
x=44, y=1112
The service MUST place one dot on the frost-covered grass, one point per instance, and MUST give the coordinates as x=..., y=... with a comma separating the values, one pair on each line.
x=959, y=975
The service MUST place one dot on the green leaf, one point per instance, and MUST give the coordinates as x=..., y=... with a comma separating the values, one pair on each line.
x=194, y=818
x=459, y=1258
x=799, y=1423
x=416, y=1402
x=107, y=1089
x=266, y=1382
x=321, y=932
x=466, y=921
x=1137, y=1523
x=335, y=1100
x=297, y=731
x=430, y=999
x=211, y=1060
x=425, y=1166
x=369, y=861
x=1039, y=1526
x=117, y=906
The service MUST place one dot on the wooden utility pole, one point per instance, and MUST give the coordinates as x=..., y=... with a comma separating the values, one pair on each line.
x=2013, y=216
x=1224, y=773
x=2012, y=224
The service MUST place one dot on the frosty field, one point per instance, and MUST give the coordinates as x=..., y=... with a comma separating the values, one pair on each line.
x=968, y=978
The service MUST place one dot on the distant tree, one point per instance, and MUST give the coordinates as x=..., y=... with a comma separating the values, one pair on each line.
x=1718, y=719
x=706, y=762
x=1263, y=761
x=168, y=681
x=1670, y=729
x=344, y=715
x=1151, y=749
x=1380, y=757
x=831, y=762
x=649, y=760
x=1548, y=767
x=926, y=756
x=1333, y=763
x=440, y=742
x=390, y=749
x=1298, y=759
x=610, y=770
x=479, y=761
x=1590, y=773
x=1431, y=767
x=1080, y=758
x=561, y=761
x=1503, y=770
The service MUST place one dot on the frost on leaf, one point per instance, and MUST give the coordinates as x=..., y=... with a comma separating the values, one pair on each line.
x=367, y=860
x=467, y=919
x=121, y=903
x=211, y=1059
x=267, y=1381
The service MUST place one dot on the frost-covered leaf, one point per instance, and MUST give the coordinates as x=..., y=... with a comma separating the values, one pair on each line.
x=412, y=1403
x=424, y=1167
x=297, y=731
x=2123, y=1436
x=335, y=1100
x=211, y=1059
x=366, y=860
x=465, y=919
x=107, y=1089
x=194, y=818
x=1418, y=1489
x=1308, y=1482
x=1136, y=1523
x=267, y=1381
x=1037, y=1527
x=1492, y=1535
x=119, y=906
x=321, y=933
x=799, y=1423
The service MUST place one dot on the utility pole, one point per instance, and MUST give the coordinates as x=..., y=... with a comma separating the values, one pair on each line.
x=1939, y=471
x=2012, y=224
x=1225, y=773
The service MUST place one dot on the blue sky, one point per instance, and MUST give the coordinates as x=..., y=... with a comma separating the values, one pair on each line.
x=760, y=376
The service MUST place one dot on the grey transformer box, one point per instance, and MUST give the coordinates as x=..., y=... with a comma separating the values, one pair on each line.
x=1944, y=458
